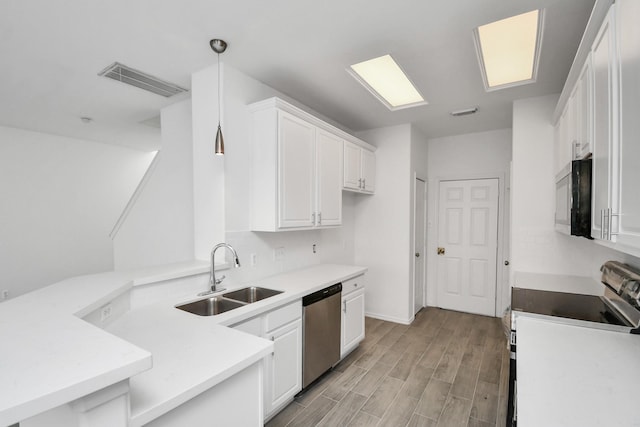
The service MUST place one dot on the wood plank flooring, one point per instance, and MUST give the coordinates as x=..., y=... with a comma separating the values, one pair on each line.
x=446, y=369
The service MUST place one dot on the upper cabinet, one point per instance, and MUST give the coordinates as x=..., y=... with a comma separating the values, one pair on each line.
x=584, y=114
x=359, y=168
x=628, y=47
x=297, y=174
x=573, y=132
x=605, y=131
x=607, y=95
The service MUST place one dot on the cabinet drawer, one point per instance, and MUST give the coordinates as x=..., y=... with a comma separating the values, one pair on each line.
x=353, y=284
x=282, y=316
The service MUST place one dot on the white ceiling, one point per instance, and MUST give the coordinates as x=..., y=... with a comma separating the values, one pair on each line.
x=52, y=50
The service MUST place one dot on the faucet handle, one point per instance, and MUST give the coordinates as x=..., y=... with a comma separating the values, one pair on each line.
x=218, y=281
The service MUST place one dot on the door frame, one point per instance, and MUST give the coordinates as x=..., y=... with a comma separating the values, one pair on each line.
x=432, y=235
x=413, y=244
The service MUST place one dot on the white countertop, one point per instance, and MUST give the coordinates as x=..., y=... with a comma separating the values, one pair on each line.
x=55, y=357
x=576, y=376
x=191, y=353
x=558, y=283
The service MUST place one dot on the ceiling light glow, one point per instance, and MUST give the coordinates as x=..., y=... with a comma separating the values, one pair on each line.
x=508, y=49
x=384, y=78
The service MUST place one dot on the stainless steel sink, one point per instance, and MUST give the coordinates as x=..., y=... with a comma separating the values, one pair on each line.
x=210, y=306
x=251, y=294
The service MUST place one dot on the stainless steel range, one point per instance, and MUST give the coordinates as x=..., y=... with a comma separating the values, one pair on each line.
x=618, y=310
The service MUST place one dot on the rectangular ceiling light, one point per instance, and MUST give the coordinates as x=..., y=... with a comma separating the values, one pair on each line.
x=508, y=50
x=384, y=78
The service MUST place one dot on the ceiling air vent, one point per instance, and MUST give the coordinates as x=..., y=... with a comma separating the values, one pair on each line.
x=128, y=75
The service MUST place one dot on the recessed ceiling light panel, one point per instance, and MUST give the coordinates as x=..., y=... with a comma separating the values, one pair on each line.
x=508, y=50
x=384, y=78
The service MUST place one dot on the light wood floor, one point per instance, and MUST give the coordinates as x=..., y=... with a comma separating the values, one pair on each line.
x=445, y=369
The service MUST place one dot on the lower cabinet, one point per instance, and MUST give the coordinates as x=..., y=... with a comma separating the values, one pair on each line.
x=283, y=377
x=283, y=367
x=352, y=315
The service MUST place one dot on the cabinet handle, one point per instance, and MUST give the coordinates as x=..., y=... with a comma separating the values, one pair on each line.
x=319, y=218
x=359, y=182
x=344, y=306
x=364, y=183
x=313, y=218
x=602, y=223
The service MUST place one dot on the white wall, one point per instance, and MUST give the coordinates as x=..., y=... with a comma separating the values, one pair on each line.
x=60, y=199
x=535, y=245
x=383, y=226
x=474, y=155
x=159, y=229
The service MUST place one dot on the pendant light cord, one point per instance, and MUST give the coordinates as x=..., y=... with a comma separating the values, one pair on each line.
x=219, y=107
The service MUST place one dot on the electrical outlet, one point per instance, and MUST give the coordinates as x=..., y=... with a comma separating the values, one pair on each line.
x=4, y=295
x=278, y=254
x=105, y=312
x=254, y=259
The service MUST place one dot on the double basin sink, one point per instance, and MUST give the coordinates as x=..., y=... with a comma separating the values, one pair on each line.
x=219, y=304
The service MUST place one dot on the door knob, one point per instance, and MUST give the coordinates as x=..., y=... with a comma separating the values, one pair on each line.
x=506, y=262
x=417, y=254
x=440, y=251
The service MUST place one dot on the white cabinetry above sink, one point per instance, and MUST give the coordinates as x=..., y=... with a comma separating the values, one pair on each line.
x=297, y=168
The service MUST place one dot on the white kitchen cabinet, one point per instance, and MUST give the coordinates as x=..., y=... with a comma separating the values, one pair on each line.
x=605, y=208
x=296, y=160
x=573, y=132
x=359, y=168
x=328, y=178
x=352, y=322
x=283, y=367
x=562, y=143
x=296, y=180
x=628, y=48
x=584, y=117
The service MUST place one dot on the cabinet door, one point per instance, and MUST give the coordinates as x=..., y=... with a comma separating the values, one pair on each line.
x=296, y=153
x=584, y=110
x=368, y=170
x=352, y=321
x=604, y=114
x=572, y=126
x=328, y=179
x=557, y=144
x=284, y=367
x=351, y=166
x=629, y=51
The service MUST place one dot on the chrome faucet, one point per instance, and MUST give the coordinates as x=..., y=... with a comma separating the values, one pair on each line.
x=212, y=277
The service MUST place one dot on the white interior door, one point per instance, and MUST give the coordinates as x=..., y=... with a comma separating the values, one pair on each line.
x=467, y=245
x=419, y=240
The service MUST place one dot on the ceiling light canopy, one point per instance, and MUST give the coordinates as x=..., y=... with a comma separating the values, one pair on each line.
x=508, y=50
x=384, y=78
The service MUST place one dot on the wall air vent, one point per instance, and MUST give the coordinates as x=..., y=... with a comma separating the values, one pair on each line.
x=465, y=112
x=128, y=75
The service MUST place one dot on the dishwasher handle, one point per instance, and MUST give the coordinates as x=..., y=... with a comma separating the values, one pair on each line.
x=321, y=294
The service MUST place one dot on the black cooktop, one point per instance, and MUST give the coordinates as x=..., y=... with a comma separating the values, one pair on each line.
x=560, y=304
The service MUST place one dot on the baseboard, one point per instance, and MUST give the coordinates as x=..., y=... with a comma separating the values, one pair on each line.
x=389, y=318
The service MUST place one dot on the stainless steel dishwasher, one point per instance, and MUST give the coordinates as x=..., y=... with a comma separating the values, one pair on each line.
x=321, y=337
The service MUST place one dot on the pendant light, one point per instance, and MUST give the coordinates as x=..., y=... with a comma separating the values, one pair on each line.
x=219, y=46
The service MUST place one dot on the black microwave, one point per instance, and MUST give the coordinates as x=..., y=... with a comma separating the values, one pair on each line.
x=573, y=199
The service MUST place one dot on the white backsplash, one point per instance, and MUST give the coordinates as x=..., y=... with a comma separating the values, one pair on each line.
x=296, y=248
